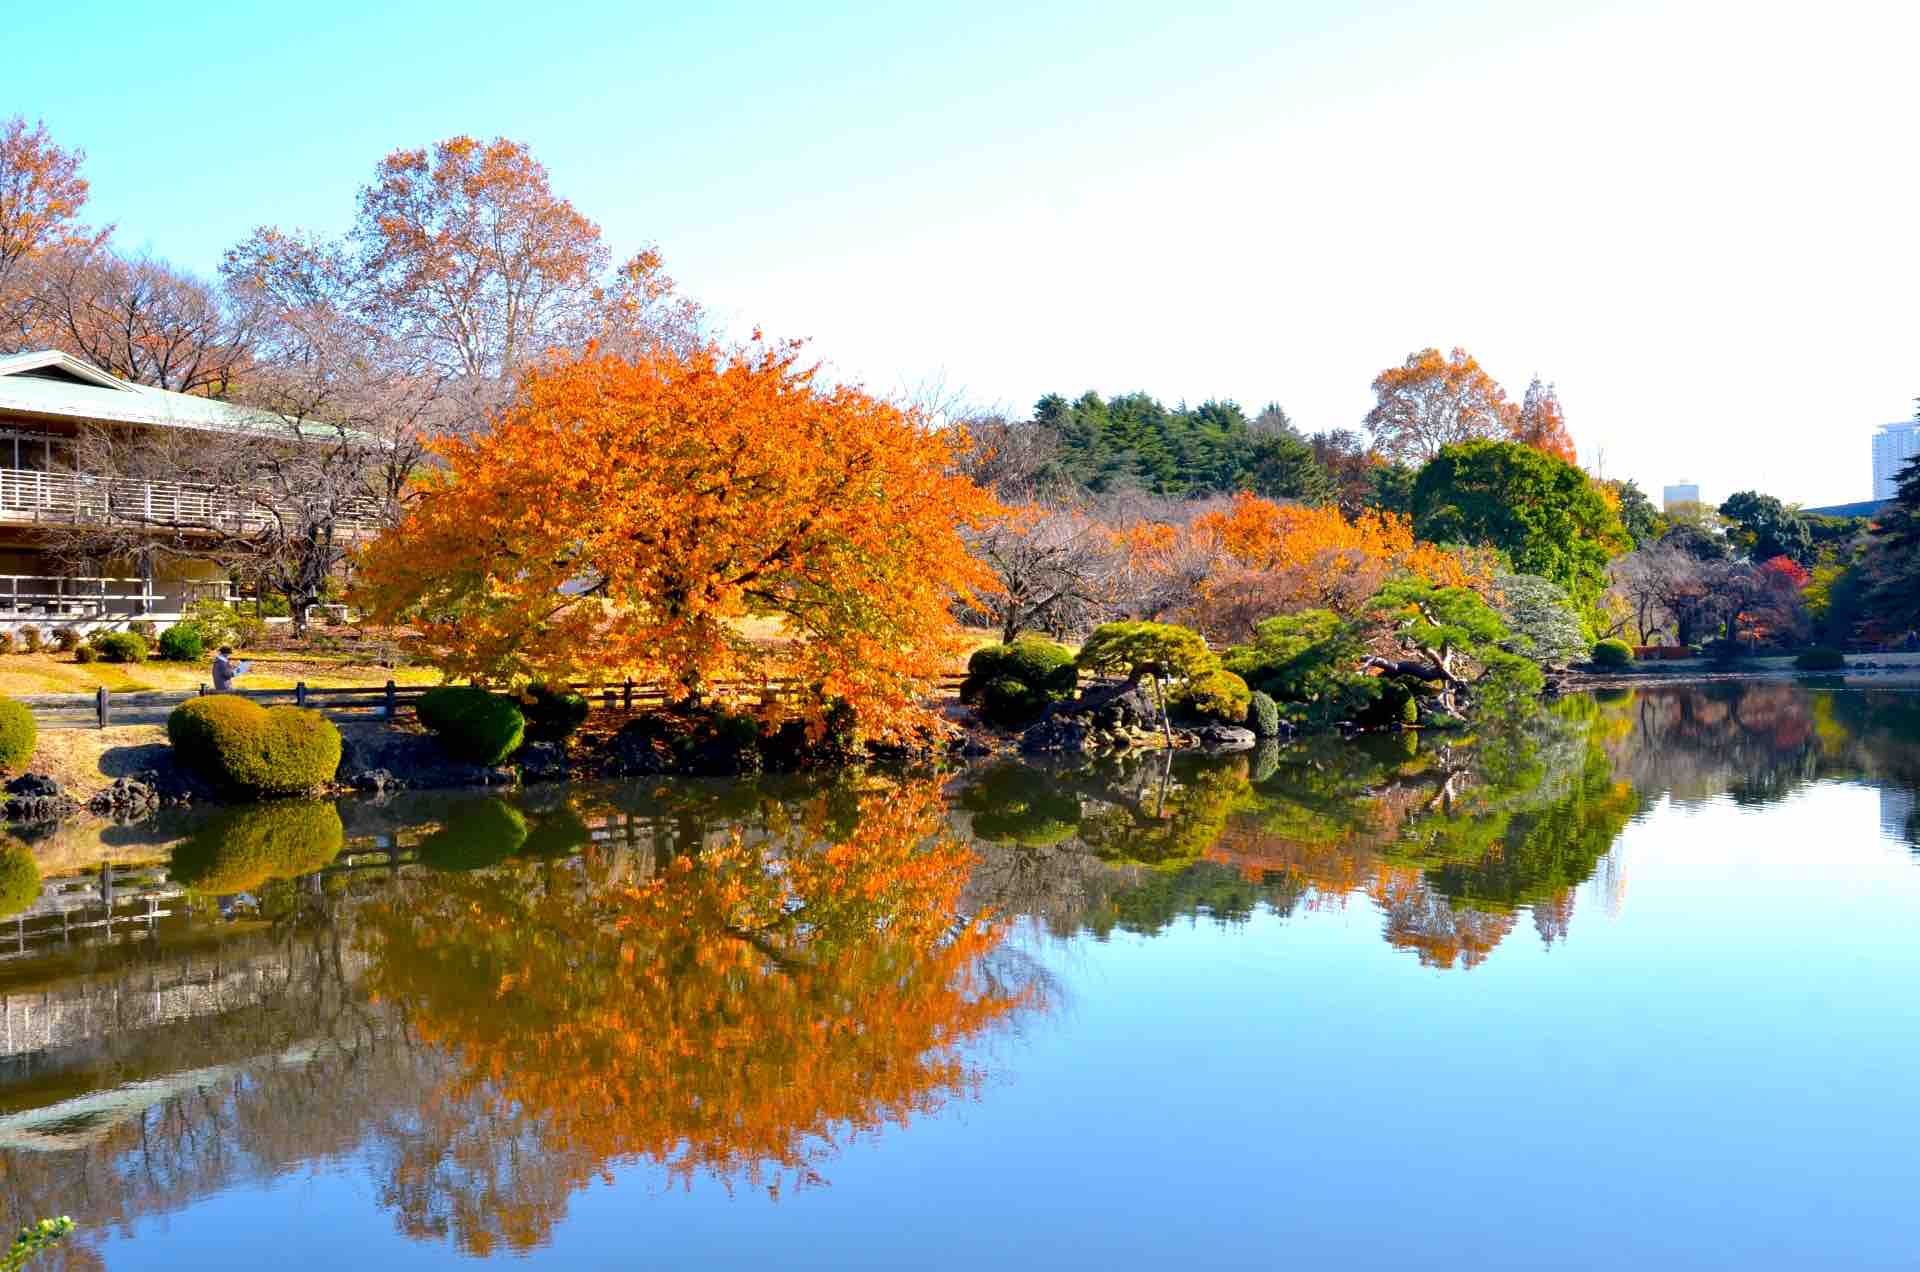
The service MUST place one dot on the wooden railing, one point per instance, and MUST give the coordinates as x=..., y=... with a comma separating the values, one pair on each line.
x=86, y=499
x=369, y=702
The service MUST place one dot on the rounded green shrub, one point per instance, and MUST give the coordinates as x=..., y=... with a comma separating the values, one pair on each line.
x=6, y=642
x=66, y=639
x=85, y=654
x=31, y=641
x=476, y=833
x=236, y=742
x=1213, y=695
x=1821, y=658
x=1263, y=716
x=144, y=629
x=120, y=647
x=553, y=712
x=240, y=849
x=1613, y=653
x=472, y=724
x=183, y=642
x=18, y=733
x=1042, y=664
x=19, y=877
x=1008, y=702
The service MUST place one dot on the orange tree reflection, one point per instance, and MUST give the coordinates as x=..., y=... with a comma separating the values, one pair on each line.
x=741, y=1014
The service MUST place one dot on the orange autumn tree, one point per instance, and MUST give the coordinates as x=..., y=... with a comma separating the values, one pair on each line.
x=738, y=1017
x=1542, y=424
x=624, y=517
x=1277, y=558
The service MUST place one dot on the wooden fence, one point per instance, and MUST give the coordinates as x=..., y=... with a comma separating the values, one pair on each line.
x=100, y=709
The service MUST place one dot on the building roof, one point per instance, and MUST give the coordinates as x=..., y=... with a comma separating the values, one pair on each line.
x=50, y=383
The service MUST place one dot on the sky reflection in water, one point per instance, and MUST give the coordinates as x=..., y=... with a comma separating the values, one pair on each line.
x=1629, y=986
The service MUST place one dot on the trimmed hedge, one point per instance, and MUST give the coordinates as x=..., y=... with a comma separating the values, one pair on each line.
x=121, y=647
x=553, y=714
x=1006, y=701
x=1263, y=716
x=18, y=733
x=31, y=639
x=1011, y=684
x=472, y=724
x=1213, y=695
x=1039, y=663
x=1821, y=658
x=19, y=877
x=183, y=642
x=239, y=849
x=66, y=639
x=236, y=742
x=1613, y=653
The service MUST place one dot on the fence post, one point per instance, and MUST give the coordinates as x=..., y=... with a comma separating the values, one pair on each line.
x=627, y=700
x=203, y=688
x=390, y=700
x=100, y=705
x=300, y=693
x=609, y=694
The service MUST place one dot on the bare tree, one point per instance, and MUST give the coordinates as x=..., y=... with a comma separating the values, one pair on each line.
x=1055, y=565
x=140, y=319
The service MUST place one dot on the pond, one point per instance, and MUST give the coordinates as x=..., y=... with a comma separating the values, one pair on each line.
x=1629, y=985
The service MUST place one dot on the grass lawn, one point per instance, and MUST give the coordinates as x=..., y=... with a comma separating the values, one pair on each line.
x=48, y=672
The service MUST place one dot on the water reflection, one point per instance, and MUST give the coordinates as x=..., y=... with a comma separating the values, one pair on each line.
x=486, y=1002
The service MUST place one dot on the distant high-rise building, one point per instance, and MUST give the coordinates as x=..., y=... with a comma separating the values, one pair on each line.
x=1683, y=491
x=1893, y=446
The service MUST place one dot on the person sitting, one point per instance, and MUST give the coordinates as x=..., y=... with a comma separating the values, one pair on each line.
x=225, y=669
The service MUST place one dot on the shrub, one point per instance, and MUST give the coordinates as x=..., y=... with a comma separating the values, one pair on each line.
x=1263, y=715
x=6, y=642
x=19, y=877
x=30, y=638
x=121, y=647
x=144, y=630
x=553, y=713
x=222, y=624
x=242, y=848
x=1212, y=695
x=1723, y=650
x=1613, y=653
x=1821, y=658
x=17, y=735
x=1011, y=684
x=236, y=742
x=183, y=642
x=472, y=724
x=1008, y=702
x=66, y=639
x=85, y=654
x=1039, y=663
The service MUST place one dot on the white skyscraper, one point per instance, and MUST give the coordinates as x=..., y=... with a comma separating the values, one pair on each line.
x=1893, y=446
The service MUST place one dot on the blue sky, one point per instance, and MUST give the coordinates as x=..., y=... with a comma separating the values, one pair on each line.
x=1696, y=218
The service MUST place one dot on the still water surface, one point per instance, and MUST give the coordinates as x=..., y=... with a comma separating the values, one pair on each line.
x=1630, y=987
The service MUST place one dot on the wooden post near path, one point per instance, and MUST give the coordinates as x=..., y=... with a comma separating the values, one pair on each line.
x=390, y=700
x=100, y=705
x=300, y=693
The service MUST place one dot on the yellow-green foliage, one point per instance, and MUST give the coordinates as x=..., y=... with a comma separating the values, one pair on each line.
x=17, y=735
x=19, y=877
x=242, y=848
x=265, y=750
x=1213, y=695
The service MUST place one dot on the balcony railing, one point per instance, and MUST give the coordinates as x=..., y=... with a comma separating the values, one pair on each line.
x=85, y=499
x=56, y=598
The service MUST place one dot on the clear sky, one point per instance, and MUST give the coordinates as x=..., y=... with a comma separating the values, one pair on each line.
x=1697, y=218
